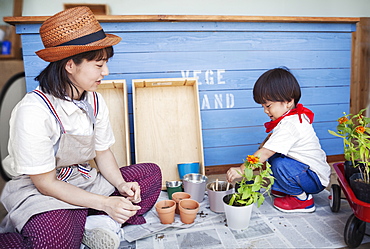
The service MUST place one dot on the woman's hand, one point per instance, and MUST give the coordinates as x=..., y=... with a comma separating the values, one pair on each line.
x=131, y=190
x=119, y=208
x=232, y=174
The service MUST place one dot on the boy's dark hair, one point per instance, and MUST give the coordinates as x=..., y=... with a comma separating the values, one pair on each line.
x=54, y=78
x=277, y=85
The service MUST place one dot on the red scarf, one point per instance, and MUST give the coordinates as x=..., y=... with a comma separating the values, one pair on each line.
x=298, y=110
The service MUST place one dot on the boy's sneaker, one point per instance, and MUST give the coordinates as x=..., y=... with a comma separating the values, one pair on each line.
x=292, y=204
x=277, y=193
x=102, y=232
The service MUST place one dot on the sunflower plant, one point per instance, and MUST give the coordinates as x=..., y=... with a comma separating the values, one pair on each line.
x=255, y=177
x=355, y=131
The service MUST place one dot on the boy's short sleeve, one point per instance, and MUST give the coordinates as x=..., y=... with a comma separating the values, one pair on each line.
x=283, y=138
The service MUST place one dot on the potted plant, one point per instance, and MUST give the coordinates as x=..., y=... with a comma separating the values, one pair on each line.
x=256, y=181
x=355, y=132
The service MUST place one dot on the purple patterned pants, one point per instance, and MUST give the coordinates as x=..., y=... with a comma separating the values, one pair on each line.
x=63, y=228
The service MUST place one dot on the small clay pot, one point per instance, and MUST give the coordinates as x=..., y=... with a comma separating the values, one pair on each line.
x=166, y=211
x=188, y=210
x=177, y=197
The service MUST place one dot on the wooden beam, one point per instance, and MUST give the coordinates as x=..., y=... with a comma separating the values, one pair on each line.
x=222, y=169
x=360, y=73
x=193, y=18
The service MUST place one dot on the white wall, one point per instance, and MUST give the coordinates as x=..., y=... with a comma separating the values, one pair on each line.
x=6, y=9
x=330, y=8
x=335, y=8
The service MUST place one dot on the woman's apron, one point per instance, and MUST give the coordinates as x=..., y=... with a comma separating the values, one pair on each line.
x=21, y=198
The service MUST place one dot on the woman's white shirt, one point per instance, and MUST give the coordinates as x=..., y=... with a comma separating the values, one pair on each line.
x=35, y=133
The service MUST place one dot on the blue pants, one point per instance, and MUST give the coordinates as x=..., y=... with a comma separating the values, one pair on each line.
x=293, y=177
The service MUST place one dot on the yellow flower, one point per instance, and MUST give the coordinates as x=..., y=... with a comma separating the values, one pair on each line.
x=342, y=120
x=360, y=129
x=252, y=159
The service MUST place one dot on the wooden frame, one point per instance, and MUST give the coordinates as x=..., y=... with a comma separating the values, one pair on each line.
x=360, y=69
x=162, y=140
x=97, y=9
x=114, y=93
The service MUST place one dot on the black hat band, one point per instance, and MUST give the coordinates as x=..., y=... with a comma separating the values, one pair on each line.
x=93, y=37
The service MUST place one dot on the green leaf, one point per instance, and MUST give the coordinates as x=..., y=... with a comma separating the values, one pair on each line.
x=248, y=173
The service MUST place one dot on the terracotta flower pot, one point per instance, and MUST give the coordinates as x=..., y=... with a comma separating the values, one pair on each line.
x=177, y=197
x=188, y=210
x=166, y=211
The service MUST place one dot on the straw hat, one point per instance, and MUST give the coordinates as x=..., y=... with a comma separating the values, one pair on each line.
x=73, y=31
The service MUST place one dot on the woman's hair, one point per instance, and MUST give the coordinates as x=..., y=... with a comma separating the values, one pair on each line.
x=277, y=85
x=54, y=78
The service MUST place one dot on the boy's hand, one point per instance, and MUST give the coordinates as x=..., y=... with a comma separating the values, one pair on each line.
x=232, y=174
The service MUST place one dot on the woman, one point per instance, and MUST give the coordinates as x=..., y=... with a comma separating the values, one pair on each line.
x=55, y=131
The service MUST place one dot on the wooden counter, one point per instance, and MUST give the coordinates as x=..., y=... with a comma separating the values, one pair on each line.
x=193, y=18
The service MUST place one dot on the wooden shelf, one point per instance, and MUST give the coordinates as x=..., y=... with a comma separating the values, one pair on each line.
x=15, y=41
x=192, y=18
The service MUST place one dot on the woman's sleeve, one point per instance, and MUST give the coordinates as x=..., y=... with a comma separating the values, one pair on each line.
x=32, y=130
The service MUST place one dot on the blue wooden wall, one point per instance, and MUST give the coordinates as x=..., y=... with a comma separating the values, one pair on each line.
x=228, y=58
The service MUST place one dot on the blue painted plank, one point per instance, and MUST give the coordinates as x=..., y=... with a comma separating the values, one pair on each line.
x=210, y=26
x=228, y=80
x=220, y=41
x=231, y=41
x=243, y=60
x=238, y=136
x=231, y=79
x=164, y=62
x=236, y=99
x=31, y=84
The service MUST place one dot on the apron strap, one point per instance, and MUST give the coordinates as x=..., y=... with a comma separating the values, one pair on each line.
x=51, y=108
x=54, y=113
x=66, y=172
x=96, y=104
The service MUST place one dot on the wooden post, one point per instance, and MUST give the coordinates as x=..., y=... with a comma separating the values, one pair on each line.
x=17, y=7
x=360, y=74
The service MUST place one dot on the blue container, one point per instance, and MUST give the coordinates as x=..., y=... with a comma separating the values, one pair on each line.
x=6, y=47
x=187, y=168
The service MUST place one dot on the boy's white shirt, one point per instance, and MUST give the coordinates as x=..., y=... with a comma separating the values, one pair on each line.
x=299, y=141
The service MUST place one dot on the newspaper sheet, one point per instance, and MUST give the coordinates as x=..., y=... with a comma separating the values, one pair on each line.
x=269, y=228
